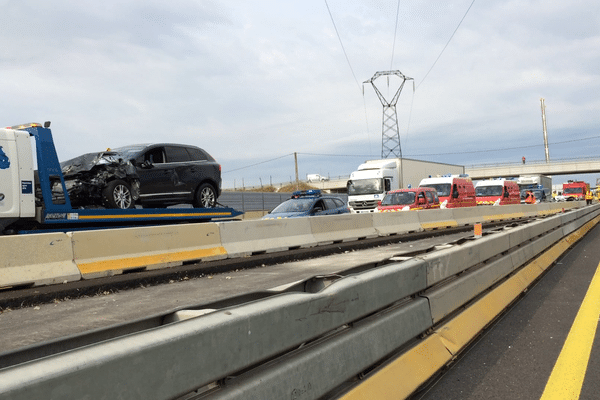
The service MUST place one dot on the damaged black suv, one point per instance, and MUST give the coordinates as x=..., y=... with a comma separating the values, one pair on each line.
x=151, y=175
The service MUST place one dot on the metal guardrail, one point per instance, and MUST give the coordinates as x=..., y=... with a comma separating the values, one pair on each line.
x=300, y=342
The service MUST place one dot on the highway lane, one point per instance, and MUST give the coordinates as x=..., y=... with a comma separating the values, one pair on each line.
x=32, y=325
x=514, y=358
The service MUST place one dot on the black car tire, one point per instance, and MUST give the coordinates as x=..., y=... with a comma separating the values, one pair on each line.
x=206, y=196
x=117, y=194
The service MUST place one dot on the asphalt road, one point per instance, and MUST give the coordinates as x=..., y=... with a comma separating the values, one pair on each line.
x=515, y=357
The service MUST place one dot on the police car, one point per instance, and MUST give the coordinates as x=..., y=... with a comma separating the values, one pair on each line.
x=308, y=203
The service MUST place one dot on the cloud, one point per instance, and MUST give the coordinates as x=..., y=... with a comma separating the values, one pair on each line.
x=252, y=81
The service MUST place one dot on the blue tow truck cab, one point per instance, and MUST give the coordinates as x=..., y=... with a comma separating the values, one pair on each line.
x=20, y=210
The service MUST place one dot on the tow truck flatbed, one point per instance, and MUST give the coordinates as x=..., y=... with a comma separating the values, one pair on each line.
x=20, y=190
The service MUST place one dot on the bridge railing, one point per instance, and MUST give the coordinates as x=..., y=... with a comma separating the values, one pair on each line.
x=532, y=162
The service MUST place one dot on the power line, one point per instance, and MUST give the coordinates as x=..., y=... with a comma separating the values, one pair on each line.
x=415, y=155
x=340, y=39
x=395, y=34
x=460, y=152
x=258, y=163
x=447, y=43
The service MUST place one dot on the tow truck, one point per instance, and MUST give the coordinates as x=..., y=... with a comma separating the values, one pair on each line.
x=28, y=200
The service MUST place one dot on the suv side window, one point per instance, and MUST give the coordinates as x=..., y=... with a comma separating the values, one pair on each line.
x=176, y=154
x=339, y=203
x=318, y=207
x=155, y=156
x=330, y=204
x=198, y=155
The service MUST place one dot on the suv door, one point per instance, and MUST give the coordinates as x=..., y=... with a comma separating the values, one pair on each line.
x=182, y=173
x=332, y=207
x=153, y=173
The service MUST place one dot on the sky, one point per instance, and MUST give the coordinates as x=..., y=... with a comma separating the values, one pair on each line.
x=254, y=83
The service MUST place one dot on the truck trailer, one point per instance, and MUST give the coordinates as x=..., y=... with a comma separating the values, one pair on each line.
x=33, y=200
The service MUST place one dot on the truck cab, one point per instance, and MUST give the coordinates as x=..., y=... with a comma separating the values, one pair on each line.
x=453, y=190
x=368, y=185
x=497, y=192
x=575, y=190
x=17, y=186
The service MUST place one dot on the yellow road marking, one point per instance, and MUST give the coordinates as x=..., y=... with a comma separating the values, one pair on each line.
x=134, y=216
x=568, y=373
x=119, y=264
x=439, y=224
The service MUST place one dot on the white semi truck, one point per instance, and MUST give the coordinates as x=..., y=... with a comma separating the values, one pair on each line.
x=374, y=178
x=543, y=182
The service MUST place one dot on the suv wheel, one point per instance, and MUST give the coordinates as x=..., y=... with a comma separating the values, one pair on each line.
x=206, y=196
x=117, y=194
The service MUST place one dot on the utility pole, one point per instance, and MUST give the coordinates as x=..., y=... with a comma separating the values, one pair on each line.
x=296, y=164
x=390, y=134
x=545, y=131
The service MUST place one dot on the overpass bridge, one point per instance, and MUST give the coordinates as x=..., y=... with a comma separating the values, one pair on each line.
x=557, y=167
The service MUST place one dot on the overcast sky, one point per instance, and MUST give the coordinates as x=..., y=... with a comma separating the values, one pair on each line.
x=254, y=82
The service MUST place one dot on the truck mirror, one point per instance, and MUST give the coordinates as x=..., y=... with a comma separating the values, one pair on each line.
x=505, y=194
x=455, y=194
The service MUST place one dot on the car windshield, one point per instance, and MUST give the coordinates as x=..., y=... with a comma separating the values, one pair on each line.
x=365, y=186
x=400, y=198
x=129, y=152
x=294, y=205
x=536, y=192
x=573, y=190
x=482, y=191
x=442, y=189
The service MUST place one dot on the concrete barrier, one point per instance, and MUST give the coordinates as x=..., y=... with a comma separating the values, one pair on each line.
x=245, y=238
x=35, y=260
x=437, y=219
x=342, y=228
x=448, y=262
x=508, y=212
x=103, y=253
x=110, y=252
x=396, y=223
x=448, y=298
x=401, y=376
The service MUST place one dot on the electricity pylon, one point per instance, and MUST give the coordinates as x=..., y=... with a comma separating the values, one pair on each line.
x=390, y=134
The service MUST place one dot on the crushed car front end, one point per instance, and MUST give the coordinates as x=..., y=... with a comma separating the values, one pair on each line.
x=88, y=175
